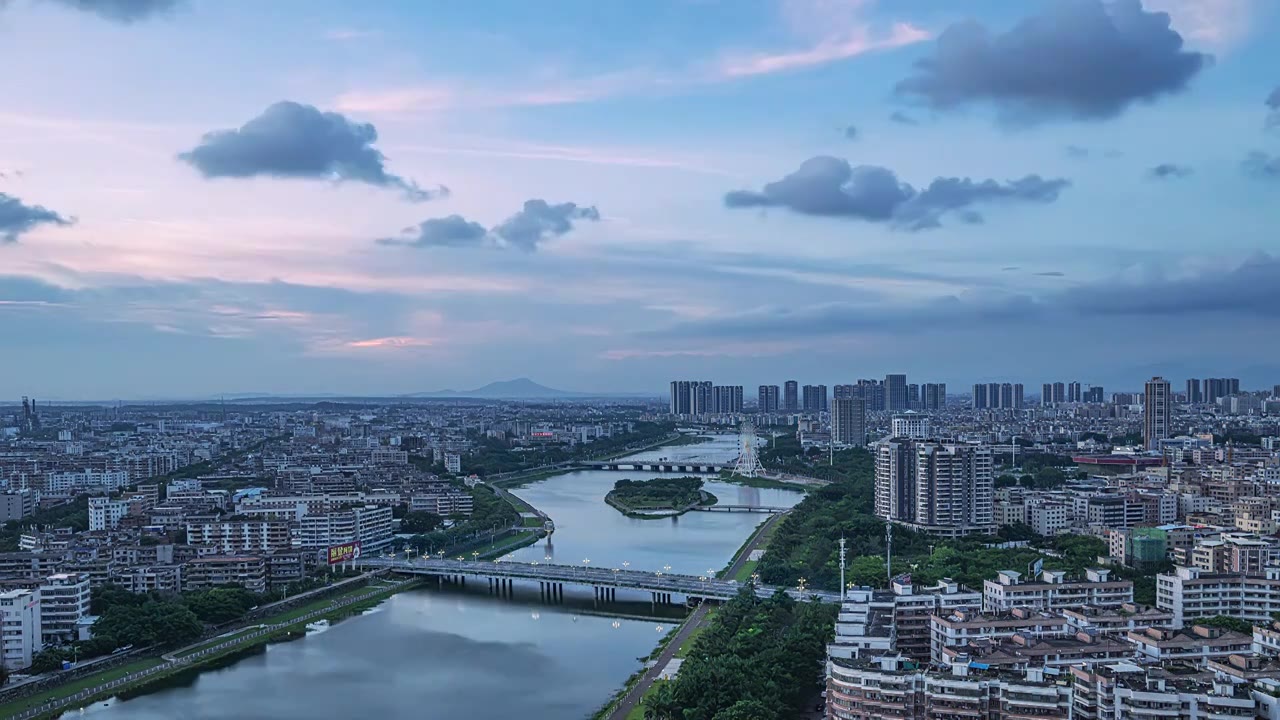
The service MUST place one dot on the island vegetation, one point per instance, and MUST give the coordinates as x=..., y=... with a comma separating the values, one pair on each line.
x=659, y=497
x=758, y=659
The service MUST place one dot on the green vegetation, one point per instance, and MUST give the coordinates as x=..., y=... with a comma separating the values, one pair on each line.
x=491, y=515
x=74, y=514
x=1225, y=622
x=420, y=522
x=656, y=494
x=757, y=659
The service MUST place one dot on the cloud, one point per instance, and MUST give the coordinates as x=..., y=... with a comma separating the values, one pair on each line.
x=1165, y=171
x=1079, y=59
x=122, y=11
x=451, y=231
x=292, y=140
x=1244, y=289
x=1262, y=165
x=1051, y=273
x=902, y=118
x=831, y=187
x=851, y=132
x=1076, y=151
x=17, y=218
x=536, y=222
x=1273, y=102
x=828, y=50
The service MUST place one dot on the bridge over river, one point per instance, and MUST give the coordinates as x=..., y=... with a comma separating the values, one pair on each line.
x=605, y=581
x=671, y=466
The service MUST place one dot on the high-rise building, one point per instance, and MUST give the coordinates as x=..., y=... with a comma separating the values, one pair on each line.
x=941, y=488
x=815, y=398
x=1046, y=394
x=1157, y=404
x=873, y=393
x=1059, y=392
x=913, y=396
x=980, y=396
x=1094, y=394
x=895, y=393
x=64, y=603
x=701, y=399
x=791, y=396
x=849, y=419
x=1193, y=391
x=1214, y=389
x=1006, y=396
x=934, y=396
x=768, y=399
x=726, y=399
x=910, y=424
x=1019, y=395
x=1074, y=393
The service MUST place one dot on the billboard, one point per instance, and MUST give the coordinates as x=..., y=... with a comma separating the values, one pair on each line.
x=346, y=552
x=1036, y=567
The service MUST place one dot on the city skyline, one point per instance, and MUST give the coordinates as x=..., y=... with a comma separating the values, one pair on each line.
x=340, y=200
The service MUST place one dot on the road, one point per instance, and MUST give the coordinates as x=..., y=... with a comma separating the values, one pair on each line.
x=691, y=624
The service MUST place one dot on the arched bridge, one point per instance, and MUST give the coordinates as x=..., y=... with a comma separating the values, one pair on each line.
x=606, y=581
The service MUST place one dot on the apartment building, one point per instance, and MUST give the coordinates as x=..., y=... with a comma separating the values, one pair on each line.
x=369, y=525
x=1196, y=644
x=443, y=504
x=1120, y=620
x=105, y=513
x=1024, y=650
x=249, y=572
x=233, y=535
x=1126, y=691
x=940, y=488
x=64, y=603
x=963, y=626
x=20, y=636
x=1053, y=591
x=895, y=688
x=149, y=578
x=1191, y=592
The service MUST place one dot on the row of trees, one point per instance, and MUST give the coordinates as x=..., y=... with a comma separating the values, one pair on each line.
x=758, y=659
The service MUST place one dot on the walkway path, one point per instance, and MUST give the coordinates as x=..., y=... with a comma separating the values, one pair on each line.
x=632, y=698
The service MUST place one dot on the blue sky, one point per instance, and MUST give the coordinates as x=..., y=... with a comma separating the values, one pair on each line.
x=202, y=197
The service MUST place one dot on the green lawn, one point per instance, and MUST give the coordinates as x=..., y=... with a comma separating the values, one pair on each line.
x=17, y=706
x=513, y=542
x=215, y=641
x=533, y=522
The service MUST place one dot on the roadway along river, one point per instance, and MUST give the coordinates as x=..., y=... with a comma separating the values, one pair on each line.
x=462, y=653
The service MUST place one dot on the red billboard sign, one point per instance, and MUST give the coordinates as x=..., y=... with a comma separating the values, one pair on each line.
x=346, y=552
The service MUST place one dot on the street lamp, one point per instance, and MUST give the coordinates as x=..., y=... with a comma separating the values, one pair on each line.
x=475, y=555
x=667, y=568
x=626, y=564
x=755, y=578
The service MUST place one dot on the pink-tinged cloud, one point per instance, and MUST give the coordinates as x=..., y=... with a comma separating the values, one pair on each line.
x=395, y=342
x=1217, y=23
x=859, y=41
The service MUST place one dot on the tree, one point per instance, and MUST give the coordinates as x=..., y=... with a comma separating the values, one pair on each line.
x=1225, y=622
x=420, y=522
x=748, y=710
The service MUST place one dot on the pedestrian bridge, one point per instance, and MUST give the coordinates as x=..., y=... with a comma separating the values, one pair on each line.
x=673, y=466
x=605, y=581
x=741, y=508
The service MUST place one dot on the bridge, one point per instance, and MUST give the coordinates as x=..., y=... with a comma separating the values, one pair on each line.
x=741, y=508
x=684, y=466
x=605, y=581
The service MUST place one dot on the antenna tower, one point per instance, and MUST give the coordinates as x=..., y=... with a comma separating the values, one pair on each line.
x=748, y=461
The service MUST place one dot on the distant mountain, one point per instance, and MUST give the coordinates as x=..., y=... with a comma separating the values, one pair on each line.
x=518, y=389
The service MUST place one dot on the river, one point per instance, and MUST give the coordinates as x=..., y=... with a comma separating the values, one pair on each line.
x=453, y=653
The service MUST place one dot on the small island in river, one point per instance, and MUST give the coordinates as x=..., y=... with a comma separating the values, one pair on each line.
x=658, y=498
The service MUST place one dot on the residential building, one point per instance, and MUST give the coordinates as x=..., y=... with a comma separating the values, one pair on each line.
x=369, y=525
x=246, y=571
x=1192, y=592
x=934, y=396
x=767, y=401
x=943, y=489
x=895, y=393
x=726, y=399
x=1157, y=406
x=17, y=504
x=849, y=419
x=453, y=463
x=1127, y=691
x=964, y=625
x=1053, y=591
x=64, y=604
x=20, y=632
x=791, y=396
x=443, y=504
x=1196, y=644
x=105, y=513
x=233, y=535
x=910, y=424
x=815, y=398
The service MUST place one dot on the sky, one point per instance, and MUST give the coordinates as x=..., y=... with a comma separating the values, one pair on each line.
x=206, y=197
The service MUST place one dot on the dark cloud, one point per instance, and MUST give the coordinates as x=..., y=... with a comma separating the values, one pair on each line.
x=1052, y=273
x=1247, y=290
x=17, y=218
x=1262, y=165
x=828, y=186
x=1078, y=59
x=291, y=140
x=122, y=11
x=851, y=132
x=451, y=231
x=902, y=118
x=1076, y=151
x=526, y=230
x=1167, y=171
x=1273, y=102
x=539, y=220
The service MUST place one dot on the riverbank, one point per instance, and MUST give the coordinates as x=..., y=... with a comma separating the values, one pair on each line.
x=146, y=671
